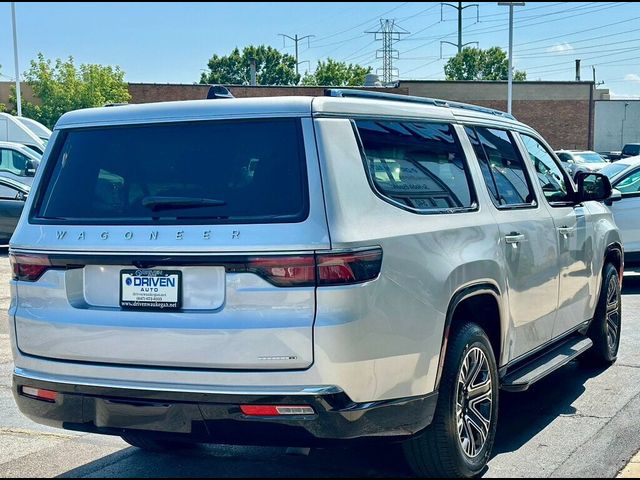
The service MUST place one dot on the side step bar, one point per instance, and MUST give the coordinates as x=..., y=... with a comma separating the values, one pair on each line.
x=526, y=375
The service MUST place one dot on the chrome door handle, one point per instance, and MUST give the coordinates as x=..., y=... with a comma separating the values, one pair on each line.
x=514, y=238
x=566, y=231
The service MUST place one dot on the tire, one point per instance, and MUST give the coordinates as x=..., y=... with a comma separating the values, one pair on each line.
x=441, y=450
x=606, y=325
x=153, y=443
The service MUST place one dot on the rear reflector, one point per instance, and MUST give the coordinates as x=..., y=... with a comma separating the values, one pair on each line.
x=275, y=410
x=28, y=268
x=40, y=394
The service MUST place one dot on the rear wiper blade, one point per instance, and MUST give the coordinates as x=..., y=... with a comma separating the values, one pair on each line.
x=167, y=203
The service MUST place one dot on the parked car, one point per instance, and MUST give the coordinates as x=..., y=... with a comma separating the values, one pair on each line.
x=630, y=150
x=41, y=131
x=581, y=161
x=12, y=197
x=625, y=179
x=14, y=130
x=305, y=271
x=612, y=156
x=18, y=162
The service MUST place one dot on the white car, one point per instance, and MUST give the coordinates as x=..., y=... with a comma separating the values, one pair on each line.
x=18, y=162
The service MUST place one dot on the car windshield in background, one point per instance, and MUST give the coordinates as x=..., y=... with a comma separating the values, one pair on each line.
x=589, y=158
x=198, y=172
x=613, y=169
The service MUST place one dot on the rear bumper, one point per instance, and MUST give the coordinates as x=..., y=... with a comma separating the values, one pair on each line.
x=217, y=418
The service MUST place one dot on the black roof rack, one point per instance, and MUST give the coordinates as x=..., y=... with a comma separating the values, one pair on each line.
x=347, y=92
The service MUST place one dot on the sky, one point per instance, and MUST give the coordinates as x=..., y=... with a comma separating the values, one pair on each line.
x=171, y=42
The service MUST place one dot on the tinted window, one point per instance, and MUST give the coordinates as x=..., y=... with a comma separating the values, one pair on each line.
x=14, y=162
x=630, y=183
x=7, y=192
x=550, y=175
x=419, y=166
x=244, y=171
x=631, y=149
x=502, y=167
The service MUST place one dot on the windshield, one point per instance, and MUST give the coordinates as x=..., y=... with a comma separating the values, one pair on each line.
x=245, y=171
x=613, y=169
x=588, y=158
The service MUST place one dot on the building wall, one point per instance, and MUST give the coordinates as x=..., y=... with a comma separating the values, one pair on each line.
x=561, y=111
x=616, y=124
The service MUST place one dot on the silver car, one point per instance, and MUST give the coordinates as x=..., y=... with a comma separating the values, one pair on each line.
x=305, y=271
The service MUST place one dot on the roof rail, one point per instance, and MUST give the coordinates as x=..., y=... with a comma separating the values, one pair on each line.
x=348, y=92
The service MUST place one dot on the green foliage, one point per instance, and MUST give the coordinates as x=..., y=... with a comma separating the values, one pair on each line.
x=62, y=87
x=479, y=64
x=272, y=67
x=337, y=74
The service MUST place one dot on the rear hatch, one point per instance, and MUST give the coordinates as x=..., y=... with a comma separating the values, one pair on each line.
x=186, y=244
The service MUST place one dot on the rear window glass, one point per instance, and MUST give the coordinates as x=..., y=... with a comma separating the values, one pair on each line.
x=418, y=166
x=249, y=171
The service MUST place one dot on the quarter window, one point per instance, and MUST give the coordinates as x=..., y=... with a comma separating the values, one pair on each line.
x=502, y=168
x=418, y=166
x=550, y=176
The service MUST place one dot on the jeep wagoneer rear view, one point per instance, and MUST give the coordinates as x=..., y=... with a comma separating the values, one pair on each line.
x=305, y=271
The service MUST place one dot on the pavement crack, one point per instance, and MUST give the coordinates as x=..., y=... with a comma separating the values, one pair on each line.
x=584, y=415
x=34, y=433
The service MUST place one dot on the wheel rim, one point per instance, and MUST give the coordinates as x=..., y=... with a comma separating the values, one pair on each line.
x=613, y=314
x=474, y=400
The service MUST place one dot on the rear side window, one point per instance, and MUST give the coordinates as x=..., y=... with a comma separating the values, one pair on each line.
x=416, y=166
x=503, y=170
x=197, y=172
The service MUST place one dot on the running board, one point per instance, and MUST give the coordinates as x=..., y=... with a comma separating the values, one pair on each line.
x=528, y=374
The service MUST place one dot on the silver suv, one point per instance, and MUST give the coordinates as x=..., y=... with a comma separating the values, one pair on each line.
x=303, y=271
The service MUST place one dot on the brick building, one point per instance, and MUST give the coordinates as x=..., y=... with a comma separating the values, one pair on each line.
x=563, y=112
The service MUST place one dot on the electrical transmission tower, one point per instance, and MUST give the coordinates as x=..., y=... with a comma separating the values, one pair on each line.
x=296, y=40
x=460, y=9
x=388, y=33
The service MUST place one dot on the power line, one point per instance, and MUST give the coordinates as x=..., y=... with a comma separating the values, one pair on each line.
x=460, y=10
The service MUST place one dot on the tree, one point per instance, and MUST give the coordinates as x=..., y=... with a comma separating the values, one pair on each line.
x=337, y=74
x=62, y=87
x=479, y=64
x=272, y=67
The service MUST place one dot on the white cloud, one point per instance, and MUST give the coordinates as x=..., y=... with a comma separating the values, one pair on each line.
x=623, y=96
x=561, y=48
x=632, y=77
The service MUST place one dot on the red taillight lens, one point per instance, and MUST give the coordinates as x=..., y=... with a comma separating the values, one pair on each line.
x=29, y=268
x=289, y=271
x=349, y=267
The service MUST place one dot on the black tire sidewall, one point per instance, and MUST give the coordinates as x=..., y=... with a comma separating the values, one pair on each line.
x=598, y=330
x=467, y=338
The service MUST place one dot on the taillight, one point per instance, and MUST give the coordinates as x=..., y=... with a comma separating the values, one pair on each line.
x=323, y=270
x=349, y=267
x=28, y=268
x=285, y=271
x=276, y=410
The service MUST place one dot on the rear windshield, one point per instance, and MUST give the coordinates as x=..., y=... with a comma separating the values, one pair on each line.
x=248, y=171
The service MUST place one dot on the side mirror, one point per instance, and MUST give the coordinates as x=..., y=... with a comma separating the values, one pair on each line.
x=615, y=196
x=592, y=186
x=30, y=169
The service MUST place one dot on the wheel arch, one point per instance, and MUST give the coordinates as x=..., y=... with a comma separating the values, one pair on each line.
x=485, y=294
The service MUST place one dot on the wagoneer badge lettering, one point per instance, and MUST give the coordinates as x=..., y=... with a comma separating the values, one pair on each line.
x=129, y=235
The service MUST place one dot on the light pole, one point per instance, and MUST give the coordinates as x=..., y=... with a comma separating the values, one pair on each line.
x=510, y=78
x=15, y=57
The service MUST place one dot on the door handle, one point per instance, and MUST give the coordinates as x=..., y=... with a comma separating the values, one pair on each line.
x=514, y=238
x=566, y=231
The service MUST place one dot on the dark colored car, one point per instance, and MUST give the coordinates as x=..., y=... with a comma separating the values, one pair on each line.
x=12, y=197
x=630, y=150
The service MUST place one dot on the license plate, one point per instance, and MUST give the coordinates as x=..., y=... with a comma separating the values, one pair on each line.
x=151, y=289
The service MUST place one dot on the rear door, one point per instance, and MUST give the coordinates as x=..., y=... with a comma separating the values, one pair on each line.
x=528, y=239
x=175, y=244
x=626, y=215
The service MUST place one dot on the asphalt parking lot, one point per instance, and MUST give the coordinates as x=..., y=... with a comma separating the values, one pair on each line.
x=575, y=423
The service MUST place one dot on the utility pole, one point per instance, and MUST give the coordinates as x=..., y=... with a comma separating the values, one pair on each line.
x=510, y=78
x=388, y=33
x=460, y=9
x=577, y=69
x=295, y=40
x=15, y=57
